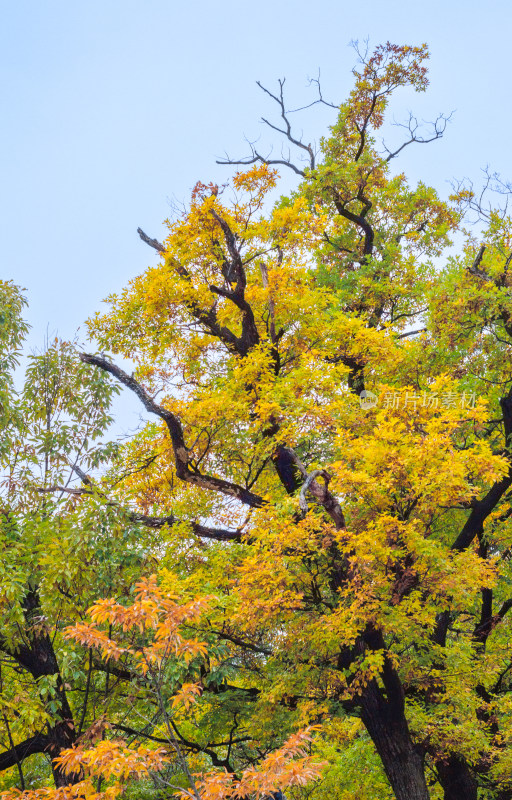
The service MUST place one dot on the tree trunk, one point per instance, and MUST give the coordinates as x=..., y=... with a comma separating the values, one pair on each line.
x=38, y=657
x=383, y=714
x=456, y=779
x=386, y=723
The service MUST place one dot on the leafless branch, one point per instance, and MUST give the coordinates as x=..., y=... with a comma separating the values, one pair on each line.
x=205, y=532
x=411, y=333
x=152, y=242
x=279, y=99
x=258, y=158
x=319, y=100
x=286, y=131
x=412, y=126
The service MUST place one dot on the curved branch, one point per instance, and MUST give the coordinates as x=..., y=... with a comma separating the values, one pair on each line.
x=250, y=335
x=286, y=131
x=257, y=158
x=18, y=753
x=208, y=318
x=180, y=450
x=292, y=467
x=439, y=127
x=358, y=220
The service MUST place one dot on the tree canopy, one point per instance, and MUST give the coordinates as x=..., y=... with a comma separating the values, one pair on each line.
x=296, y=578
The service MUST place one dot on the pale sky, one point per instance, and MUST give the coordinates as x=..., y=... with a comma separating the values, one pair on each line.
x=110, y=108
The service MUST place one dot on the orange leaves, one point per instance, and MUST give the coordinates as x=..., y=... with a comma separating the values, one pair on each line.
x=77, y=791
x=91, y=636
x=389, y=67
x=113, y=759
x=110, y=761
x=393, y=65
x=187, y=695
x=291, y=765
x=153, y=612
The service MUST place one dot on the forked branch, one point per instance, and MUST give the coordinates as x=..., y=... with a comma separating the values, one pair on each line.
x=412, y=126
x=286, y=131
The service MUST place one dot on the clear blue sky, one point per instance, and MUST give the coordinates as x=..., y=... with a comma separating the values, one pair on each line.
x=111, y=107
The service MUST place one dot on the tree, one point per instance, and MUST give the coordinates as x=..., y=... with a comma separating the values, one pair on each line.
x=57, y=554
x=330, y=465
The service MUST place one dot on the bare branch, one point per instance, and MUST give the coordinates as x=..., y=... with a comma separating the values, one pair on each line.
x=15, y=755
x=258, y=158
x=412, y=126
x=152, y=242
x=288, y=128
x=411, y=333
x=319, y=100
x=218, y=534
x=285, y=131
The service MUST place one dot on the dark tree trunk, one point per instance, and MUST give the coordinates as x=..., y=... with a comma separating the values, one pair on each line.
x=286, y=467
x=38, y=657
x=456, y=779
x=62, y=737
x=386, y=724
x=383, y=714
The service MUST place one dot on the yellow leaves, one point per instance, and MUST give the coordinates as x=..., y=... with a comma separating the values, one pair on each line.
x=351, y=338
x=264, y=592
x=411, y=453
x=332, y=280
x=259, y=179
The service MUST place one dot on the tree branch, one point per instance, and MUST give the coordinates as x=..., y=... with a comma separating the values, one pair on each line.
x=483, y=508
x=152, y=242
x=18, y=753
x=439, y=127
x=181, y=454
x=287, y=132
x=218, y=534
x=358, y=220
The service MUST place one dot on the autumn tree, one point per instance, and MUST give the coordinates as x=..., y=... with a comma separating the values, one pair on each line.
x=329, y=472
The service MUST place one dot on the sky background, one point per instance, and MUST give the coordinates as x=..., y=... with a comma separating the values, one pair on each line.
x=113, y=109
